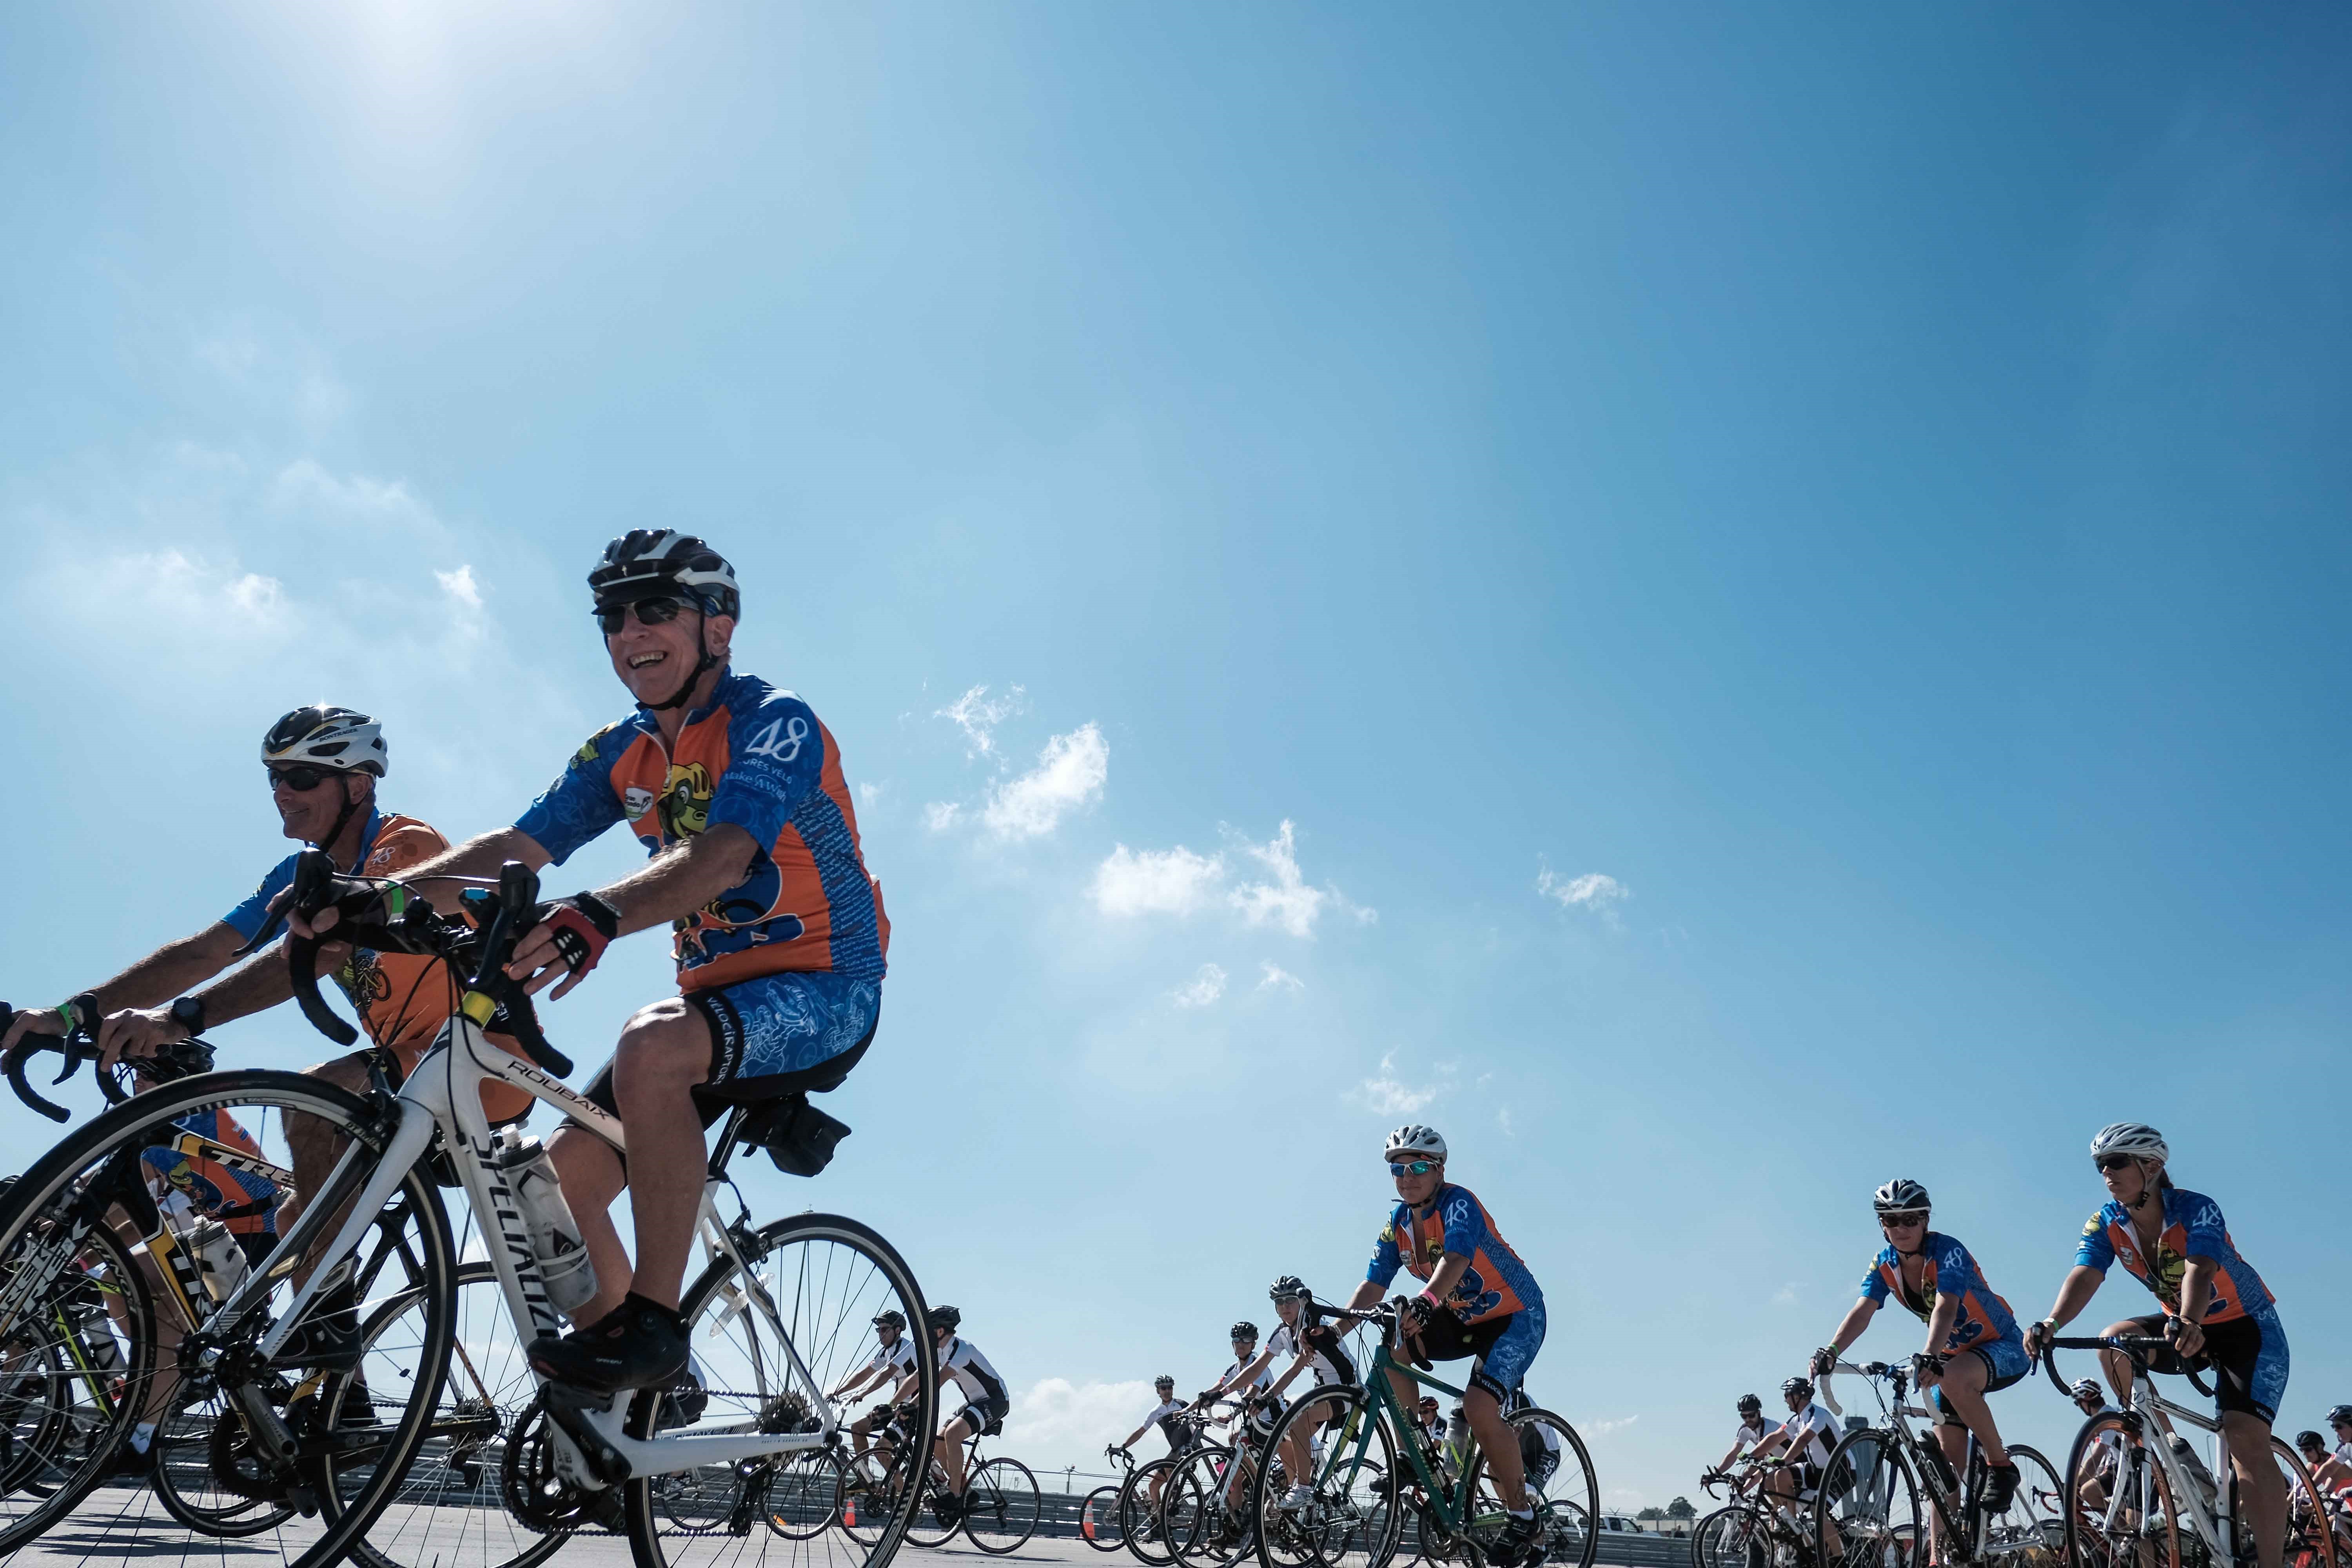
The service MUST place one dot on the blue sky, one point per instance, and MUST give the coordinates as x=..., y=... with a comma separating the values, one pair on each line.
x=1723, y=604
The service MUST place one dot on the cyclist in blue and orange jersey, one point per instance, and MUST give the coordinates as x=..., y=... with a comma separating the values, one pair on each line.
x=1478, y=1299
x=2217, y=1310
x=1973, y=1345
x=738, y=795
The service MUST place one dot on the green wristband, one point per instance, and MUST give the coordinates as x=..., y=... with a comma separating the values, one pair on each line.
x=64, y=1010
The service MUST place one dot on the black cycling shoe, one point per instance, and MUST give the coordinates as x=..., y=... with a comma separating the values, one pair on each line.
x=1520, y=1545
x=2001, y=1482
x=637, y=1344
x=947, y=1507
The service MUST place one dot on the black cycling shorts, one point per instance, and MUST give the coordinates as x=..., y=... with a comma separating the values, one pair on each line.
x=985, y=1417
x=713, y=1100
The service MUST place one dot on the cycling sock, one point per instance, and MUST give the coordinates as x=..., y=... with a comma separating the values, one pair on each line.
x=142, y=1434
x=1522, y=1513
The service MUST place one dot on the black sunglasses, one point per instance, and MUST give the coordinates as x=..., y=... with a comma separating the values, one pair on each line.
x=2107, y=1163
x=611, y=618
x=301, y=778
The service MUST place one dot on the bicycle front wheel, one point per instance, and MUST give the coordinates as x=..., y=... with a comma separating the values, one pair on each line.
x=2310, y=1541
x=1204, y=1510
x=769, y=1337
x=1098, y=1518
x=2118, y=1507
x=1139, y=1498
x=1333, y=1444
x=1733, y=1537
x=1001, y=1506
x=1866, y=1514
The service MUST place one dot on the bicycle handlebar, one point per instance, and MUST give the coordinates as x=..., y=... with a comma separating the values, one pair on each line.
x=79, y=1044
x=2136, y=1347
x=420, y=929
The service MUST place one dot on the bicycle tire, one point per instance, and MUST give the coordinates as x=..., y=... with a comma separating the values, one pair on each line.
x=1098, y=1518
x=1569, y=1495
x=1352, y=1519
x=2089, y=1542
x=2305, y=1547
x=1001, y=1506
x=1206, y=1512
x=350, y=1489
x=824, y=1267
x=1869, y=1478
x=1139, y=1512
x=2032, y=1531
x=63, y=1410
x=1736, y=1536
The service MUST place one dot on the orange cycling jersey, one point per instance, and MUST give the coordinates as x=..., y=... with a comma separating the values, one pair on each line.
x=1496, y=1283
x=403, y=999
x=2193, y=1227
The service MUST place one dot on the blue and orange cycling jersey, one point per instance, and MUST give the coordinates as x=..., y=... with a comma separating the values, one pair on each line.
x=1950, y=1270
x=210, y=1186
x=756, y=757
x=1495, y=1285
x=2193, y=1227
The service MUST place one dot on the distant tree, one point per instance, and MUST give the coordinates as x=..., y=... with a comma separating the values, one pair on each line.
x=1652, y=1514
x=1681, y=1509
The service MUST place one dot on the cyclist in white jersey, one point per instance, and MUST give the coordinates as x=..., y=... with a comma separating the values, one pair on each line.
x=986, y=1404
x=2340, y=1418
x=1314, y=1349
x=892, y=1362
x=1750, y=1432
x=1806, y=1436
x=1163, y=1415
x=2090, y=1397
x=1248, y=1376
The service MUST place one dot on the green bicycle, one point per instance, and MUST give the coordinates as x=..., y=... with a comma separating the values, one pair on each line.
x=1370, y=1467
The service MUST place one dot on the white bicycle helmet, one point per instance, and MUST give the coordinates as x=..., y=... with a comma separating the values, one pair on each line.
x=326, y=737
x=645, y=562
x=1901, y=1195
x=1413, y=1139
x=2087, y=1388
x=2136, y=1139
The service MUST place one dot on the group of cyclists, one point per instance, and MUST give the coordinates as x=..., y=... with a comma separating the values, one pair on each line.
x=2215, y=1313
x=1478, y=1301
x=891, y=1373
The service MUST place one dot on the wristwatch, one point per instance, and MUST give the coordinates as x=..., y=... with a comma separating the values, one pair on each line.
x=188, y=1012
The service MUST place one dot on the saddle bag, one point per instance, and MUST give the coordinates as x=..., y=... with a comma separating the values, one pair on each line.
x=797, y=1136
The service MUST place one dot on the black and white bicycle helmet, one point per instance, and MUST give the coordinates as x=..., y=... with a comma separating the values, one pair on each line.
x=1413, y=1139
x=1164, y=1382
x=2087, y=1388
x=948, y=1318
x=325, y=736
x=1244, y=1330
x=648, y=563
x=2339, y=1415
x=1289, y=1287
x=2136, y=1139
x=1901, y=1195
x=1802, y=1388
x=893, y=1318
x=1750, y=1406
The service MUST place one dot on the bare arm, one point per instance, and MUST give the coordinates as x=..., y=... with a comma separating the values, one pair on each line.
x=169, y=971
x=674, y=883
x=260, y=982
x=2196, y=1297
x=1855, y=1322
x=2081, y=1284
x=1939, y=1329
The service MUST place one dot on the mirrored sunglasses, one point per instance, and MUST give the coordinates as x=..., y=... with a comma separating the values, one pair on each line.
x=1411, y=1167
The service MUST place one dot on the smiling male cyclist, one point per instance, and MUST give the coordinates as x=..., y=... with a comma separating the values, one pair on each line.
x=2217, y=1310
x=1973, y=1345
x=1478, y=1300
x=736, y=790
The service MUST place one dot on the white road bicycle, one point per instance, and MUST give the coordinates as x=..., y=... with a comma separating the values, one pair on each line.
x=2143, y=1500
x=781, y=1312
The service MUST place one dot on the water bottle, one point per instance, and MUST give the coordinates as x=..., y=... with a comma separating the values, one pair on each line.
x=2187, y=1459
x=563, y=1264
x=217, y=1252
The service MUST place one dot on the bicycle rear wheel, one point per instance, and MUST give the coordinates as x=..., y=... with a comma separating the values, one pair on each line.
x=1204, y=1509
x=1560, y=1485
x=2310, y=1542
x=348, y=1478
x=75, y=1367
x=1099, y=1520
x=806, y=1295
x=1866, y=1514
x=1349, y=1518
x=804, y=1499
x=1001, y=1506
x=2119, y=1511
x=1139, y=1512
x=1733, y=1537
x=2032, y=1531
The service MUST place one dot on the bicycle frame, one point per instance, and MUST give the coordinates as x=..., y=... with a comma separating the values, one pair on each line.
x=1894, y=1417
x=2187, y=1498
x=443, y=1097
x=1452, y=1512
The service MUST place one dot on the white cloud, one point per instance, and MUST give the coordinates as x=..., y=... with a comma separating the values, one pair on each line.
x=1277, y=977
x=1070, y=771
x=1595, y=891
x=1785, y=1295
x=978, y=715
x=1390, y=1096
x=169, y=591
x=1288, y=900
x=1503, y=1119
x=460, y=585
x=1155, y=882
x=1603, y=1428
x=377, y=502
x=939, y=815
x=868, y=792
x=1208, y=983
x=1058, y=1420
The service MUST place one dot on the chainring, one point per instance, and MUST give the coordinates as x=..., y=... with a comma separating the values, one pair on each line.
x=533, y=1492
